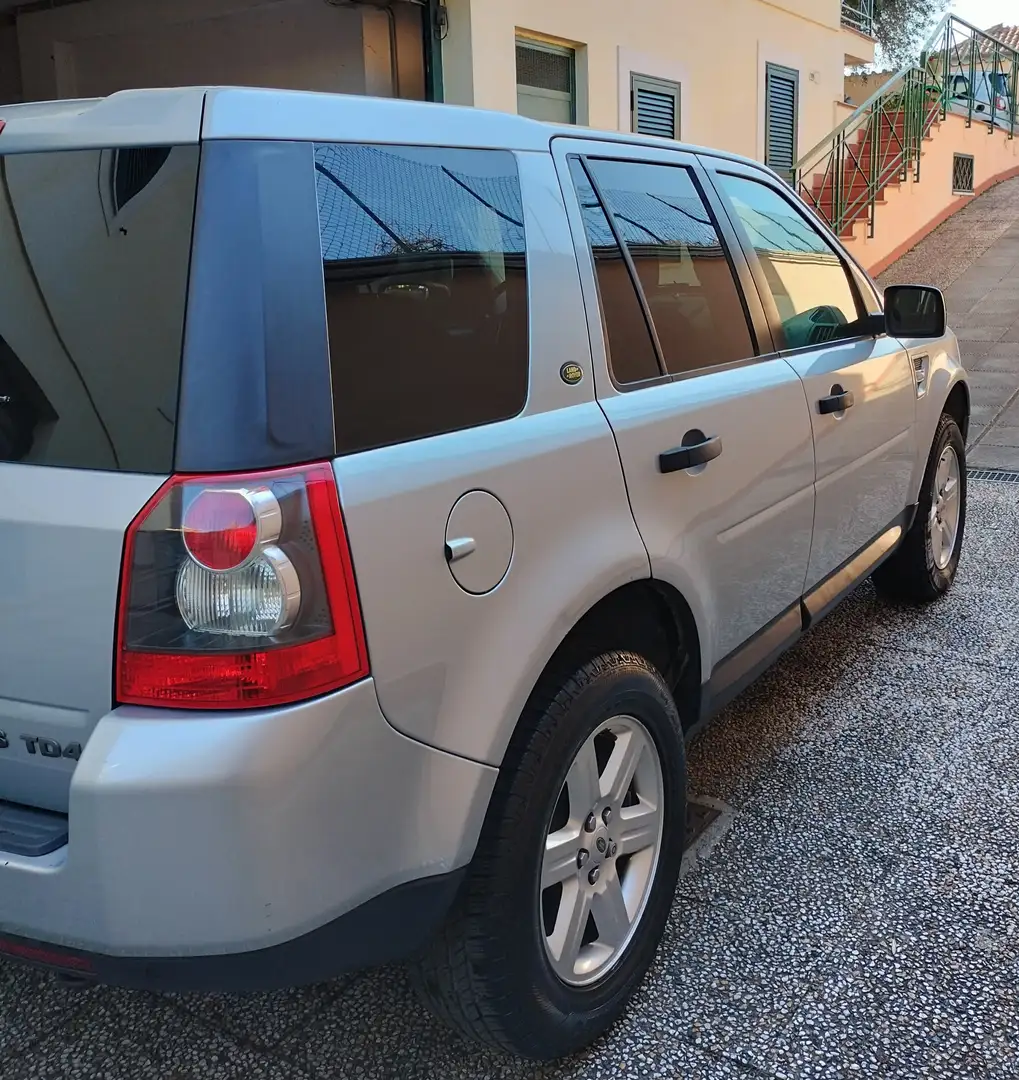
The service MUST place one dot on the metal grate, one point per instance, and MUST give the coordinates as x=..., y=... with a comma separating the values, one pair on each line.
x=544, y=69
x=962, y=173
x=996, y=476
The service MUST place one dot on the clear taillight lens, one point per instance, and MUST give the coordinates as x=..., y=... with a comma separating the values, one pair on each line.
x=259, y=599
x=239, y=591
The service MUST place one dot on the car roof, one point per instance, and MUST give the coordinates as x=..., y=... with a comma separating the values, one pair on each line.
x=186, y=114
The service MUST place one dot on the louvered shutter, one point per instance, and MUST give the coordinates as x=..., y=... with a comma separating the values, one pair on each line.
x=781, y=105
x=654, y=107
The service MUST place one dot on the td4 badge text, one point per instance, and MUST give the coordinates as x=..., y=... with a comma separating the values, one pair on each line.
x=37, y=744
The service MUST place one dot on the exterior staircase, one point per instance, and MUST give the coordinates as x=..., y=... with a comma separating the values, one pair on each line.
x=880, y=145
x=872, y=163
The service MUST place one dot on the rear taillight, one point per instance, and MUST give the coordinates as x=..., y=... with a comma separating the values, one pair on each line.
x=239, y=592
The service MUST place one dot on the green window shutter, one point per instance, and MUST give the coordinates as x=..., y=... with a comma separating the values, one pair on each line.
x=781, y=110
x=654, y=107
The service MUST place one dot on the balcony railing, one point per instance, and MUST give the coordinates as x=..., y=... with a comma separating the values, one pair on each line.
x=859, y=15
x=960, y=70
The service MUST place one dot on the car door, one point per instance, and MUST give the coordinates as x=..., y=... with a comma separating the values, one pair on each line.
x=712, y=427
x=861, y=388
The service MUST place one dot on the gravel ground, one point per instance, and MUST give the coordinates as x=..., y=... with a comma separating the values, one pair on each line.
x=852, y=914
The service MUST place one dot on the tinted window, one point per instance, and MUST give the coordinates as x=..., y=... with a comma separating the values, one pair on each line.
x=815, y=300
x=681, y=264
x=631, y=351
x=426, y=290
x=94, y=250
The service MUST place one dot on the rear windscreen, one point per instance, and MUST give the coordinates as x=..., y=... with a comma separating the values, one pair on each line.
x=94, y=252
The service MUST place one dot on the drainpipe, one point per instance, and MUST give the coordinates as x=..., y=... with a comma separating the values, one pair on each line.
x=435, y=26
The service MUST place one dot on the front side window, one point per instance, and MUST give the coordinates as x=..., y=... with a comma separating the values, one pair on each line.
x=680, y=261
x=808, y=282
x=426, y=289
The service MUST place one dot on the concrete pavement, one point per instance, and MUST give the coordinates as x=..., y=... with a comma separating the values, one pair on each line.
x=974, y=257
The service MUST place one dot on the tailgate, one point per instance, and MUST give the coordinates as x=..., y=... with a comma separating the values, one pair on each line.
x=61, y=537
x=94, y=259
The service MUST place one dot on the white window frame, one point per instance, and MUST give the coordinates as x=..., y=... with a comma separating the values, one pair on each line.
x=538, y=91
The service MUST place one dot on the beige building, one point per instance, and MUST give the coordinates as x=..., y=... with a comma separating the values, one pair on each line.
x=755, y=76
x=759, y=77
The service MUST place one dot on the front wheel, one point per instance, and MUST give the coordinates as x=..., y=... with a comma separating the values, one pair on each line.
x=572, y=883
x=925, y=564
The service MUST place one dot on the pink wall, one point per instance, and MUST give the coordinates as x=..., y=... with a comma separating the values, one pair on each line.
x=914, y=209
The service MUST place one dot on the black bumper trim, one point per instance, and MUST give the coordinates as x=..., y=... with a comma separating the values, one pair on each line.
x=388, y=928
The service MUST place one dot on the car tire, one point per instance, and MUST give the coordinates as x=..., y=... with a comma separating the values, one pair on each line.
x=925, y=564
x=503, y=969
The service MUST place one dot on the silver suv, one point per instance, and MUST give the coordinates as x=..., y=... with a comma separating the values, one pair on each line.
x=389, y=491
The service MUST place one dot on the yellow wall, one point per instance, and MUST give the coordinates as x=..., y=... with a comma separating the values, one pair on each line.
x=717, y=50
x=912, y=209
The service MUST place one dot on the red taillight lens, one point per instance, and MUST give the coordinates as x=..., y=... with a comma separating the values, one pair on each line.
x=239, y=592
x=220, y=528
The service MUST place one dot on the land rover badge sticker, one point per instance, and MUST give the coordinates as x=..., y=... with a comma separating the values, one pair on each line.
x=571, y=374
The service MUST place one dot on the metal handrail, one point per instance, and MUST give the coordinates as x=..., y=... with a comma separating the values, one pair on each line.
x=859, y=15
x=961, y=69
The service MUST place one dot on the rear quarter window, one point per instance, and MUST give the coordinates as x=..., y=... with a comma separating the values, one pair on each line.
x=94, y=261
x=426, y=290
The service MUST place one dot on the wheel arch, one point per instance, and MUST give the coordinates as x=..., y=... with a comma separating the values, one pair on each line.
x=957, y=405
x=649, y=617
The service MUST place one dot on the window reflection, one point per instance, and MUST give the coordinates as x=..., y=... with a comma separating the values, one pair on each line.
x=426, y=289
x=680, y=262
x=808, y=282
x=632, y=355
x=94, y=253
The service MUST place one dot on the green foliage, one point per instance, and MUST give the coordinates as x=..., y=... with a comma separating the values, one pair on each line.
x=901, y=26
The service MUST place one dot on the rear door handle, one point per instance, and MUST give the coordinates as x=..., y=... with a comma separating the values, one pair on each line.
x=836, y=402
x=687, y=457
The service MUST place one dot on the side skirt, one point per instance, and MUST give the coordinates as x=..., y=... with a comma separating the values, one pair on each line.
x=743, y=665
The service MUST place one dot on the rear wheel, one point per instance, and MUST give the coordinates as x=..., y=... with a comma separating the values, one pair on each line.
x=573, y=880
x=925, y=565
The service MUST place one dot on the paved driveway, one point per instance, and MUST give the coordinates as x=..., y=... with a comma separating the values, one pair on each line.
x=855, y=915
x=974, y=257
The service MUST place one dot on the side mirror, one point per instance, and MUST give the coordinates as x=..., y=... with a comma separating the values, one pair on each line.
x=915, y=311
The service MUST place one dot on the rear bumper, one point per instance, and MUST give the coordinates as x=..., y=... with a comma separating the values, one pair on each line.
x=386, y=928
x=238, y=849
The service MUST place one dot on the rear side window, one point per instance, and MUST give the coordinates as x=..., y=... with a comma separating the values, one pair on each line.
x=94, y=257
x=426, y=290
x=681, y=265
x=632, y=356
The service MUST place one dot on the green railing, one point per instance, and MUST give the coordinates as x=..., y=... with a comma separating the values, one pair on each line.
x=961, y=70
x=859, y=15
